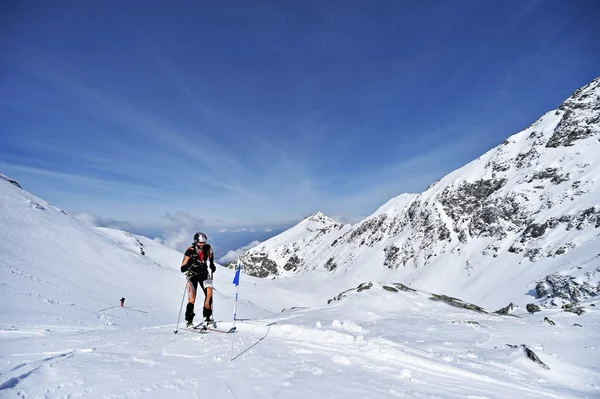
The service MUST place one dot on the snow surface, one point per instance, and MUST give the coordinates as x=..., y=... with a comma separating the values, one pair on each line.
x=64, y=335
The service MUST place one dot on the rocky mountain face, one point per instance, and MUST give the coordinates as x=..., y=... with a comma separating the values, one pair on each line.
x=527, y=211
x=291, y=251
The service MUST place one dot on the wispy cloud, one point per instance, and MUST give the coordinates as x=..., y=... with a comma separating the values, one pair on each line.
x=180, y=230
x=268, y=114
x=148, y=147
x=81, y=179
x=233, y=255
x=98, y=221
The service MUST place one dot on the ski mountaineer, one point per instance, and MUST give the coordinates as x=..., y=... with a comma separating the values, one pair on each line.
x=194, y=265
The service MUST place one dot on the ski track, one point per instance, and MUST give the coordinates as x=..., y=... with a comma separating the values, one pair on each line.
x=378, y=356
x=275, y=361
x=455, y=355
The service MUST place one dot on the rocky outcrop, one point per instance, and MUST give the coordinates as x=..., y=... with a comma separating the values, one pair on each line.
x=580, y=117
x=259, y=265
x=560, y=288
x=530, y=355
x=573, y=308
x=507, y=310
x=11, y=181
x=137, y=242
x=457, y=303
x=532, y=308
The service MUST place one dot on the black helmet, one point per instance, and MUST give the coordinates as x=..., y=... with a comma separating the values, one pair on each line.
x=200, y=237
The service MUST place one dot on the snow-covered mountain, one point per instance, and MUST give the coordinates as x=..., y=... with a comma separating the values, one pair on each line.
x=292, y=251
x=51, y=262
x=525, y=214
x=63, y=333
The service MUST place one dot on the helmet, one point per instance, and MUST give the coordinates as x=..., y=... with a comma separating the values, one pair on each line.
x=200, y=237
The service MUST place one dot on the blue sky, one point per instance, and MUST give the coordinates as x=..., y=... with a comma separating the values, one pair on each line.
x=260, y=113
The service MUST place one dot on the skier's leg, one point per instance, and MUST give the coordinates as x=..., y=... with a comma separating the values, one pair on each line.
x=192, y=286
x=208, y=300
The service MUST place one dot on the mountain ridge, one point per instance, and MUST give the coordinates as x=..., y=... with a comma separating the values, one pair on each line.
x=532, y=200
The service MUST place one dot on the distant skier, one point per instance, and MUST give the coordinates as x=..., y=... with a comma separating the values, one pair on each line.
x=195, y=266
x=122, y=302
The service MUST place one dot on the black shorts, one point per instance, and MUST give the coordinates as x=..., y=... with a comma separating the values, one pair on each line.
x=199, y=279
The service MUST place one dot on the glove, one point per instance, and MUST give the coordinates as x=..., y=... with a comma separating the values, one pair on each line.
x=184, y=268
x=213, y=268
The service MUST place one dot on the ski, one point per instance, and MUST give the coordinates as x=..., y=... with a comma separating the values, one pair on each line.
x=231, y=330
x=203, y=330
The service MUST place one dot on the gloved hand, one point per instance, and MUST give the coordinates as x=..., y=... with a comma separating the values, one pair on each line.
x=213, y=268
x=184, y=268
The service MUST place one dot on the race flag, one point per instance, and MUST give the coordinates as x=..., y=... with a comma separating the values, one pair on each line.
x=236, y=281
x=236, y=278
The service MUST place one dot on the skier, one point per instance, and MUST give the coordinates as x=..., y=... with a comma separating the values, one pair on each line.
x=122, y=302
x=195, y=266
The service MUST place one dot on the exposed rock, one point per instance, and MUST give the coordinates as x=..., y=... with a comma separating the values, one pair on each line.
x=530, y=354
x=457, y=303
x=466, y=322
x=292, y=263
x=394, y=287
x=542, y=288
x=259, y=265
x=294, y=308
x=341, y=295
x=576, y=126
x=364, y=286
x=137, y=242
x=36, y=205
x=573, y=308
x=550, y=173
x=11, y=181
x=566, y=288
x=403, y=287
x=507, y=310
x=330, y=265
x=532, y=308
x=391, y=256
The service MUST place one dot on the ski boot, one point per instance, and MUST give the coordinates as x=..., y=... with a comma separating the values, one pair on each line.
x=210, y=322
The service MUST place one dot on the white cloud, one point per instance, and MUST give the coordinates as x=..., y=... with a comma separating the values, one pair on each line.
x=233, y=255
x=98, y=221
x=180, y=234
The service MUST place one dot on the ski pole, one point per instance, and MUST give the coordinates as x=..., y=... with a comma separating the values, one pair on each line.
x=181, y=307
x=212, y=297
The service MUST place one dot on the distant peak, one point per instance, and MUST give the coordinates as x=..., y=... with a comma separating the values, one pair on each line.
x=320, y=217
x=317, y=214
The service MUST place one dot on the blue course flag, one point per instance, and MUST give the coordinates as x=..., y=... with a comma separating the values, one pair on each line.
x=236, y=278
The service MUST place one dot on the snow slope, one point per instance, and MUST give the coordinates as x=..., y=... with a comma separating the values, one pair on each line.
x=62, y=333
x=518, y=223
x=525, y=212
